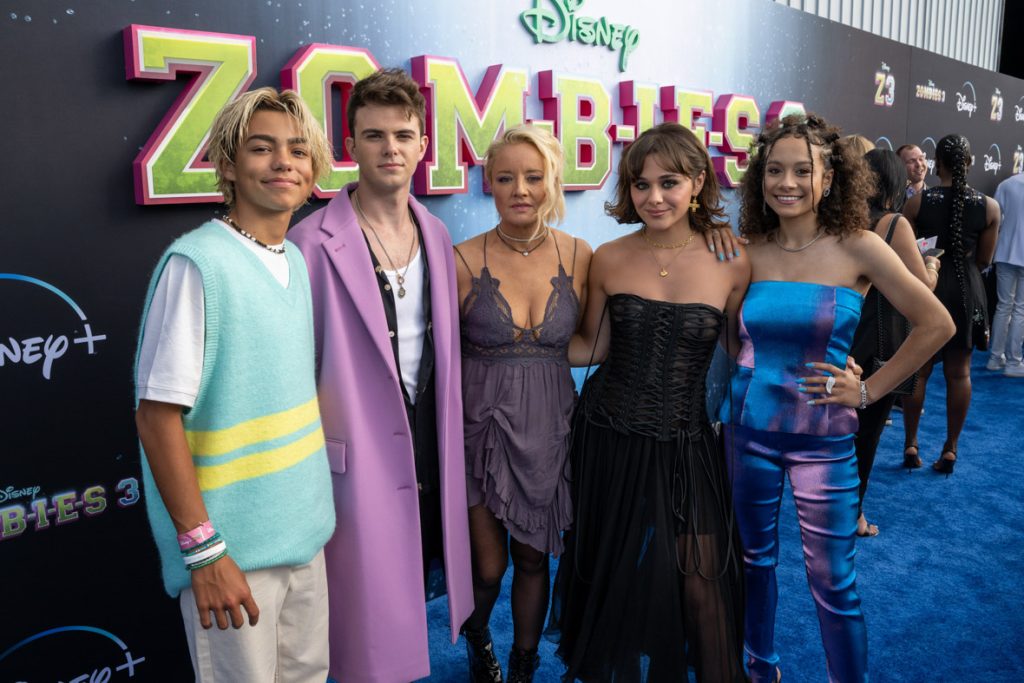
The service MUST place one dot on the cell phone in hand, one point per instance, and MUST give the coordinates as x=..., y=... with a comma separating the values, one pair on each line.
x=934, y=252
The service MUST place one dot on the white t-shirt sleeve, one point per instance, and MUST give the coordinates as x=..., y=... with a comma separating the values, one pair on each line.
x=171, y=354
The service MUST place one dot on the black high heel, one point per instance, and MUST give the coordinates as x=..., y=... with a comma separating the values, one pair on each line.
x=522, y=664
x=483, y=663
x=945, y=465
x=911, y=461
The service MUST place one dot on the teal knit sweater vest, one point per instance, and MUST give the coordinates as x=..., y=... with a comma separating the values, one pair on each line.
x=254, y=430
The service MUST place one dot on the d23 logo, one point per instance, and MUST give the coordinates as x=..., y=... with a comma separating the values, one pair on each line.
x=48, y=345
x=1018, y=160
x=885, y=86
x=997, y=106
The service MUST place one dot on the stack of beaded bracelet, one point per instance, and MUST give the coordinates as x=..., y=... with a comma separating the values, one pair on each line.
x=201, y=546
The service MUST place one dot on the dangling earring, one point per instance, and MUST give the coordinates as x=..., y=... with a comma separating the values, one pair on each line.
x=694, y=204
x=827, y=192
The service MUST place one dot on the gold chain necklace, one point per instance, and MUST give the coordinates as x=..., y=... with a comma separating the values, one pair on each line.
x=658, y=245
x=399, y=275
x=651, y=245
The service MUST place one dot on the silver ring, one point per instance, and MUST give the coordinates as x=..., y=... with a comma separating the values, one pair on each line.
x=830, y=383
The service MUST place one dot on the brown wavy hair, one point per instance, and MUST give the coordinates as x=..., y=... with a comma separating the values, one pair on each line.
x=388, y=88
x=844, y=211
x=679, y=151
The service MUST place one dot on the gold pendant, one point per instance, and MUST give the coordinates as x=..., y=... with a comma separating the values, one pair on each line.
x=663, y=273
x=401, y=292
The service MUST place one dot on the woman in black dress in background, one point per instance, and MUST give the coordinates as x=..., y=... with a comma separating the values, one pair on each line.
x=882, y=329
x=966, y=223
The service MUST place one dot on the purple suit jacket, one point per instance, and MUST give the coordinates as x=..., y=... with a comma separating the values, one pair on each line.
x=378, y=626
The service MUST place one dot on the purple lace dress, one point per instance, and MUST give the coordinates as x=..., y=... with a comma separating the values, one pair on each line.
x=518, y=395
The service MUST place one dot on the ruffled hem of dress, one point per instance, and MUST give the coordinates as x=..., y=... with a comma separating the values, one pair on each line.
x=537, y=526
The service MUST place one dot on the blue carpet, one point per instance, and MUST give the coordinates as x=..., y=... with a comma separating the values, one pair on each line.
x=941, y=585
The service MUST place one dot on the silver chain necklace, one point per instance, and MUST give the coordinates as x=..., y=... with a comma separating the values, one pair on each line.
x=522, y=249
x=399, y=274
x=793, y=250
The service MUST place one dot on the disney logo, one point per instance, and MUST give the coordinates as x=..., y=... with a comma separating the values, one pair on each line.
x=31, y=350
x=963, y=105
x=11, y=493
x=992, y=164
x=1018, y=113
x=562, y=23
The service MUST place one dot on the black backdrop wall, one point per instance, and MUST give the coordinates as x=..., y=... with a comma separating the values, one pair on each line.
x=80, y=598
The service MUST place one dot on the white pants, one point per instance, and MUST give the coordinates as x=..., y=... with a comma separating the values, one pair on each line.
x=1008, y=322
x=287, y=645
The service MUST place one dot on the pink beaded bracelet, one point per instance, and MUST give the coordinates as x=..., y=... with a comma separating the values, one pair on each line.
x=194, y=537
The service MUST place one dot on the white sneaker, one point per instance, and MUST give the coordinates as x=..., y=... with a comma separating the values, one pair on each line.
x=1016, y=370
x=995, y=363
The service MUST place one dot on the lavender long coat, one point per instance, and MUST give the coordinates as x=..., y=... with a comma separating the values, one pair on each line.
x=378, y=628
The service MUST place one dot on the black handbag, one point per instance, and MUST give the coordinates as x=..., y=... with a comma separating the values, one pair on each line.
x=978, y=309
x=893, y=330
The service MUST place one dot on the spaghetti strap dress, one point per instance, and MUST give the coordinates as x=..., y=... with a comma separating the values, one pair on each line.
x=518, y=396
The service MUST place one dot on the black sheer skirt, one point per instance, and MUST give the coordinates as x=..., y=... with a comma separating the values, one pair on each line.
x=650, y=583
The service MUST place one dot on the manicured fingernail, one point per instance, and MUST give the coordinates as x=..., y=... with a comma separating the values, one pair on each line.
x=711, y=247
x=721, y=258
x=803, y=389
x=808, y=365
x=811, y=402
x=736, y=252
x=801, y=380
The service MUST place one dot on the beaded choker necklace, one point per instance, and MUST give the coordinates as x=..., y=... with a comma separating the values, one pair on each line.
x=279, y=249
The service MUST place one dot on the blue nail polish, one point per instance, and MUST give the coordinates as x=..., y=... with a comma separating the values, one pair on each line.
x=808, y=365
x=736, y=252
x=801, y=380
x=802, y=389
x=721, y=258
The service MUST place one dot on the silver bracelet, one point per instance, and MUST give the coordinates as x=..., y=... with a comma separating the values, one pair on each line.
x=863, y=395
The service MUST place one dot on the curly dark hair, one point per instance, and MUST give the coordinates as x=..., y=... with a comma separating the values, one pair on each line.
x=844, y=211
x=679, y=151
x=953, y=153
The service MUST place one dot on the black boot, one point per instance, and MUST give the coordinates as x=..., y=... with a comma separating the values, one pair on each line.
x=522, y=664
x=483, y=664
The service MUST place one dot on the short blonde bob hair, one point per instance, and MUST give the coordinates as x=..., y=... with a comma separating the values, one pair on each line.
x=552, y=210
x=232, y=123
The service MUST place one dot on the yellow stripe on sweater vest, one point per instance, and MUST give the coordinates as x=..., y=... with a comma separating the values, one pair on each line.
x=256, y=430
x=260, y=464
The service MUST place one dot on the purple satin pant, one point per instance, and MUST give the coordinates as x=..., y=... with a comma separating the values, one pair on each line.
x=823, y=475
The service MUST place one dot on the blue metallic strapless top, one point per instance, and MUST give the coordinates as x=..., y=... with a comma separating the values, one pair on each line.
x=783, y=326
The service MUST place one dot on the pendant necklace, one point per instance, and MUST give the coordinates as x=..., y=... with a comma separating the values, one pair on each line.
x=507, y=240
x=278, y=249
x=652, y=245
x=793, y=250
x=399, y=274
